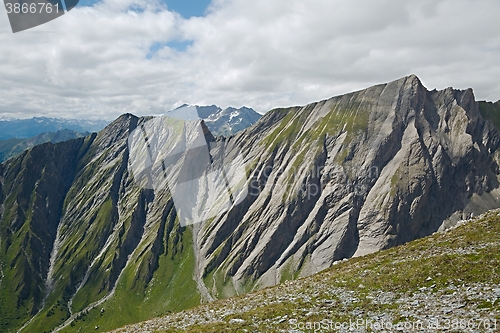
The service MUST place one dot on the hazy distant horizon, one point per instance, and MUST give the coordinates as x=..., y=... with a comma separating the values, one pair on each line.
x=102, y=60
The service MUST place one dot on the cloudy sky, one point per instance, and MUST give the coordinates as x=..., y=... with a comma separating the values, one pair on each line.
x=108, y=57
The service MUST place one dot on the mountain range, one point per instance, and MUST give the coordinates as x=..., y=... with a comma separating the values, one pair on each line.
x=226, y=121
x=21, y=134
x=85, y=247
x=13, y=146
x=28, y=128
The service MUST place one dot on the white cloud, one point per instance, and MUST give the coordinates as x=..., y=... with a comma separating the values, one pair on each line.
x=92, y=62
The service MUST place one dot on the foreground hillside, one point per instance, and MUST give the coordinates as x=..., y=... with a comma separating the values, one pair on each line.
x=451, y=279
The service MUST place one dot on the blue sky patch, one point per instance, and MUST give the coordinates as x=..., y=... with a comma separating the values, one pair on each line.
x=87, y=3
x=186, y=8
x=179, y=46
x=136, y=8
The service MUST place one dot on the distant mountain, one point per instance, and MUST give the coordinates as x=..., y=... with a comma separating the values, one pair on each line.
x=13, y=146
x=227, y=121
x=28, y=128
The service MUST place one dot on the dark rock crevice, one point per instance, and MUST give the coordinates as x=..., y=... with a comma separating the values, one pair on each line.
x=132, y=236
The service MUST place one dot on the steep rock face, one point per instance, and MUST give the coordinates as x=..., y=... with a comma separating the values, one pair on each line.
x=32, y=196
x=330, y=180
x=348, y=176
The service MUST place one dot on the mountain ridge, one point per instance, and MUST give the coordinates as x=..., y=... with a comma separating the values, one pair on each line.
x=341, y=177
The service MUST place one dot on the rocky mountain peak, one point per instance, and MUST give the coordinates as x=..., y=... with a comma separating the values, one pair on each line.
x=226, y=121
x=343, y=177
x=117, y=131
x=415, y=80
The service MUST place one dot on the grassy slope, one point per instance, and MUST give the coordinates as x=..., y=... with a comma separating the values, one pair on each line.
x=490, y=111
x=175, y=291
x=171, y=290
x=459, y=260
